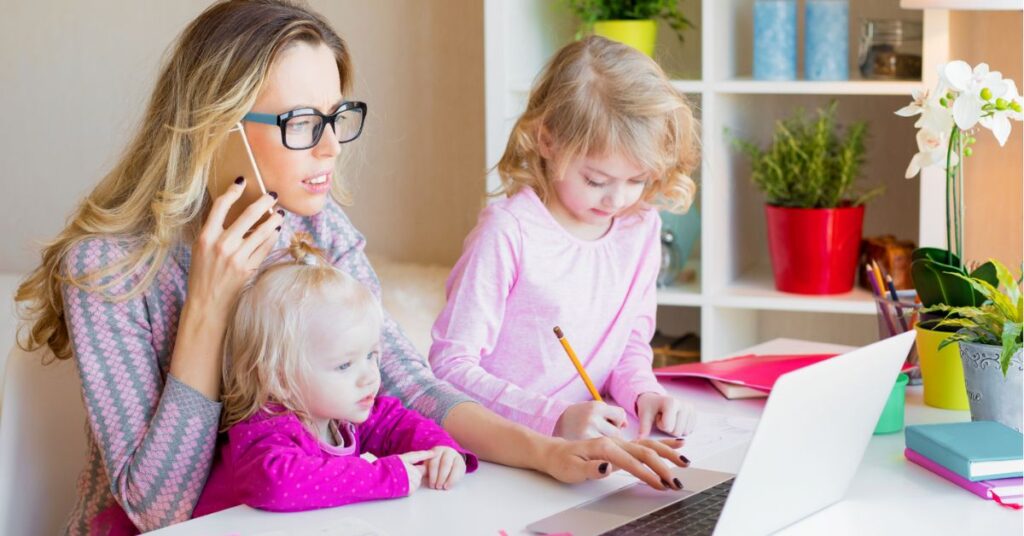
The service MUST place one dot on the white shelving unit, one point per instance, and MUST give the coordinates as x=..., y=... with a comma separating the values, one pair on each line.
x=734, y=296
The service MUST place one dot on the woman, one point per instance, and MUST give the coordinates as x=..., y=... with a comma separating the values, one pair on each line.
x=138, y=286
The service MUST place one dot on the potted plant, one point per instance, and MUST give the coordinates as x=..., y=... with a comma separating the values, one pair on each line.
x=963, y=99
x=630, y=21
x=990, y=339
x=814, y=217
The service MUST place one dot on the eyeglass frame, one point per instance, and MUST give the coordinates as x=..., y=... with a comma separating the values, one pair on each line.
x=281, y=120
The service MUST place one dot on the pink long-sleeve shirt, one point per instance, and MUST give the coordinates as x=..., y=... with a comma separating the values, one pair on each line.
x=272, y=462
x=521, y=274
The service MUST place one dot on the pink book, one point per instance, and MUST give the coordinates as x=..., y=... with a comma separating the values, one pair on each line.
x=754, y=371
x=1005, y=491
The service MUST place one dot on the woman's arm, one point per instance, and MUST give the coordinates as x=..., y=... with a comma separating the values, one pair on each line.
x=156, y=437
x=501, y=441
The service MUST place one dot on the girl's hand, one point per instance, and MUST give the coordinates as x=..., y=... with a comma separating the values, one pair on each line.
x=445, y=469
x=413, y=470
x=671, y=415
x=576, y=461
x=590, y=419
x=224, y=259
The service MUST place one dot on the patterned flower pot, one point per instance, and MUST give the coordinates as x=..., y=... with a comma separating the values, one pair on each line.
x=992, y=396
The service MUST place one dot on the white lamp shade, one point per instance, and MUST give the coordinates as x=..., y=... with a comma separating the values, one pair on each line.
x=965, y=5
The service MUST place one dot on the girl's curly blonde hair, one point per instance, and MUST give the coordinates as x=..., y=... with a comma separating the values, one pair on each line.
x=264, y=359
x=598, y=96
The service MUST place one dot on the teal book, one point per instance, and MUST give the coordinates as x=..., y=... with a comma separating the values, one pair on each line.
x=978, y=450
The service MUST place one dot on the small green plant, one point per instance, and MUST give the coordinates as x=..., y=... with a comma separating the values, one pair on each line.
x=808, y=164
x=997, y=321
x=591, y=11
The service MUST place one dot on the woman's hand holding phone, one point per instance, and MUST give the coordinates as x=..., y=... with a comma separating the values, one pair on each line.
x=223, y=259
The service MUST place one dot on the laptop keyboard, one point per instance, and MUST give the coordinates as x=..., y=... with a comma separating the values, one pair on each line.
x=696, y=514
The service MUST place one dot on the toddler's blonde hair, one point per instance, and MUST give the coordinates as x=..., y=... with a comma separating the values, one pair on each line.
x=596, y=97
x=264, y=359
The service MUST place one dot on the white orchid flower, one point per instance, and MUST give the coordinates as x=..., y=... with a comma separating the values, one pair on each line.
x=920, y=99
x=935, y=117
x=998, y=121
x=969, y=85
x=931, y=146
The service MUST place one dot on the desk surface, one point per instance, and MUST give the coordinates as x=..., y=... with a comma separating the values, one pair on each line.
x=888, y=495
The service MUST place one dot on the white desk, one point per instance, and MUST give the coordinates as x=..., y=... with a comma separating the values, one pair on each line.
x=889, y=495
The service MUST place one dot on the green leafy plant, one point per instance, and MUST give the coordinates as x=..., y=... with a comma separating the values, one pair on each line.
x=941, y=278
x=591, y=11
x=808, y=164
x=997, y=321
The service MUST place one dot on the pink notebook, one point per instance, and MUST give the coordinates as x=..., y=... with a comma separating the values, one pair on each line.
x=755, y=371
x=1005, y=491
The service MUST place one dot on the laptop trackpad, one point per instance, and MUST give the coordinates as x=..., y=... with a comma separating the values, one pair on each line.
x=635, y=501
x=625, y=504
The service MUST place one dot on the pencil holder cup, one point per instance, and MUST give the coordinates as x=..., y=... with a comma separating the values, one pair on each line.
x=891, y=419
x=897, y=316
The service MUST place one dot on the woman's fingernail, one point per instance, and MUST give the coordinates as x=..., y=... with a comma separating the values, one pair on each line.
x=273, y=194
x=665, y=483
x=679, y=485
x=239, y=180
x=603, y=468
x=685, y=459
x=281, y=212
x=278, y=228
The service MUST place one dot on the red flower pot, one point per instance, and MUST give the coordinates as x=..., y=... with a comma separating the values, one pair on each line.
x=814, y=250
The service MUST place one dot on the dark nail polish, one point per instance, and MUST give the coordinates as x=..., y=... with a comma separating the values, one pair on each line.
x=603, y=468
x=239, y=180
x=281, y=212
x=273, y=194
x=685, y=459
x=665, y=483
x=679, y=485
x=278, y=228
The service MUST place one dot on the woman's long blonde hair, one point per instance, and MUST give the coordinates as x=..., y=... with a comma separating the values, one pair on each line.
x=598, y=96
x=156, y=194
x=264, y=359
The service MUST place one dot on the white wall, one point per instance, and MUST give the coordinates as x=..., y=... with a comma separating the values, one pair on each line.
x=75, y=76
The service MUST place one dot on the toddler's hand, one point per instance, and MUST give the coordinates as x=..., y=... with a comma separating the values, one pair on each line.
x=445, y=469
x=590, y=419
x=413, y=471
x=672, y=416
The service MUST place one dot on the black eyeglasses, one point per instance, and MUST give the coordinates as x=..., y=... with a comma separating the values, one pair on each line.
x=302, y=128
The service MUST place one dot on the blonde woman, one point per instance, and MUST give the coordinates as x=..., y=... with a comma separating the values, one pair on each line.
x=139, y=286
x=604, y=142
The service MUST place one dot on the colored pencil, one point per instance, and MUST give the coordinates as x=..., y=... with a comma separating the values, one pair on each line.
x=576, y=363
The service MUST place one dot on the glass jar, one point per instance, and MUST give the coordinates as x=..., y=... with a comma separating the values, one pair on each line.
x=890, y=49
x=669, y=260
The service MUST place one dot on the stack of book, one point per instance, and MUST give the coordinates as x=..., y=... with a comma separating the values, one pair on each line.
x=983, y=457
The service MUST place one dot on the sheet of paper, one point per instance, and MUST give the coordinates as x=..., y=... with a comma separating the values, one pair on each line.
x=714, y=433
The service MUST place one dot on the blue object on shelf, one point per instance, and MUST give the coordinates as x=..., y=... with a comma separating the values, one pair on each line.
x=775, y=39
x=685, y=229
x=827, y=40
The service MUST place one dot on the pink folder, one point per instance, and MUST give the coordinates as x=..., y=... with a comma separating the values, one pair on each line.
x=755, y=371
x=1005, y=491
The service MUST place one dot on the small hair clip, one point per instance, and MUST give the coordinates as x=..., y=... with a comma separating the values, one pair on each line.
x=309, y=259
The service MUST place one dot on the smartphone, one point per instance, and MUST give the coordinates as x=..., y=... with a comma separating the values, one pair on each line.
x=231, y=160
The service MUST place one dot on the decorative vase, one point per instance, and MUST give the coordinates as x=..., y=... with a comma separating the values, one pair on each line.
x=826, y=41
x=775, y=39
x=814, y=250
x=639, y=34
x=992, y=396
x=941, y=371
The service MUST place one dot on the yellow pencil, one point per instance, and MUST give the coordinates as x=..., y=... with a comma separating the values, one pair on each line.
x=576, y=363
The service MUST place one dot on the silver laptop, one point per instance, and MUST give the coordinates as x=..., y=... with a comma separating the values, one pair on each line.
x=803, y=456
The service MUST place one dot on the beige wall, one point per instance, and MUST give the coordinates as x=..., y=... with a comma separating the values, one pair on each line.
x=994, y=176
x=74, y=77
